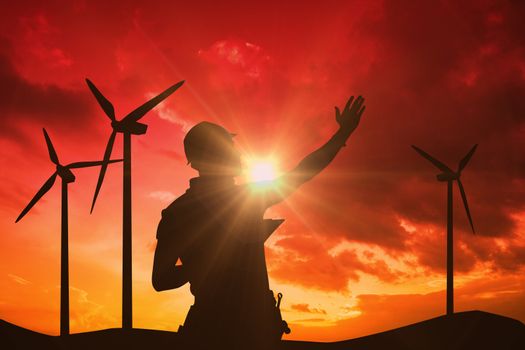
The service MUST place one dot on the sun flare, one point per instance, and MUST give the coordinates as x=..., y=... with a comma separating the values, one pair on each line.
x=261, y=170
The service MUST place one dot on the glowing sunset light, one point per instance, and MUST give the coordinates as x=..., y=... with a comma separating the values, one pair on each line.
x=261, y=170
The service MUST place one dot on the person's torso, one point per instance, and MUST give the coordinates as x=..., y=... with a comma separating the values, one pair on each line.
x=223, y=262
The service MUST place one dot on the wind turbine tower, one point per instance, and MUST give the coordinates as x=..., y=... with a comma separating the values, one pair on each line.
x=449, y=176
x=64, y=172
x=127, y=126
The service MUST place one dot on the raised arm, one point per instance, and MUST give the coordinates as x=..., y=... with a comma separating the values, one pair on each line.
x=316, y=161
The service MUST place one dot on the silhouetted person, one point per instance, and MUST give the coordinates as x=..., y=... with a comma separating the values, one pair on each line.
x=217, y=231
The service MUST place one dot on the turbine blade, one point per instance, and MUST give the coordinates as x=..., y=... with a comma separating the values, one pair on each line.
x=146, y=107
x=52, y=153
x=42, y=191
x=464, y=197
x=463, y=163
x=102, y=101
x=104, y=166
x=432, y=160
x=90, y=163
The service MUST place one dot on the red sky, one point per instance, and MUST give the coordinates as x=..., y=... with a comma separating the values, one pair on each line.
x=363, y=246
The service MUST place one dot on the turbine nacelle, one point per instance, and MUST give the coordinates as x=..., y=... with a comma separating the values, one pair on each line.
x=65, y=174
x=133, y=127
x=444, y=177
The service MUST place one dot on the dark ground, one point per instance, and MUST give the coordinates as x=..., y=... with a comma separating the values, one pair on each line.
x=475, y=330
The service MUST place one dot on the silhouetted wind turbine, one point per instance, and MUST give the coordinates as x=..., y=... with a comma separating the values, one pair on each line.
x=67, y=176
x=449, y=176
x=128, y=126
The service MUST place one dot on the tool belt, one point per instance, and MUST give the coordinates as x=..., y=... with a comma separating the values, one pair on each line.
x=233, y=327
x=284, y=325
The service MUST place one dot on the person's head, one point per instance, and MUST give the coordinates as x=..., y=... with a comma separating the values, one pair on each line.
x=210, y=150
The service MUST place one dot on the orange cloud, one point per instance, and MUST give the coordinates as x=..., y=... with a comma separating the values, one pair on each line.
x=307, y=309
x=377, y=313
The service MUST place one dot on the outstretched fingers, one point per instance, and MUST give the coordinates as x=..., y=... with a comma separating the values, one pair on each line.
x=349, y=103
x=356, y=107
x=337, y=112
x=338, y=115
x=352, y=112
x=360, y=113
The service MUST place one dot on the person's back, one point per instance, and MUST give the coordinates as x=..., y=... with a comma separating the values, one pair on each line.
x=217, y=231
x=220, y=232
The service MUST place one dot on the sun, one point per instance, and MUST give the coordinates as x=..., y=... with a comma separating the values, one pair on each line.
x=261, y=170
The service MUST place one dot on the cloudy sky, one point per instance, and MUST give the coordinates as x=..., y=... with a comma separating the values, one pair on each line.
x=363, y=246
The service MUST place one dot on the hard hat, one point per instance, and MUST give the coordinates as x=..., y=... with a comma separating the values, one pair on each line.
x=205, y=141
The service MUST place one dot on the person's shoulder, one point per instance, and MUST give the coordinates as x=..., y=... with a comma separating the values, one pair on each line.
x=178, y=205
x=171, y=216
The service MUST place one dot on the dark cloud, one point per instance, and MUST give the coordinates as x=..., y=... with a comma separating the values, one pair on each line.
x=25, y=103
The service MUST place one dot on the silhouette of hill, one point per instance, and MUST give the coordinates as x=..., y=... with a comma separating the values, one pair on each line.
x=465, y=330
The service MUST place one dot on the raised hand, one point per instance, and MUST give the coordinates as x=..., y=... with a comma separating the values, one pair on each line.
x=351, y=115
